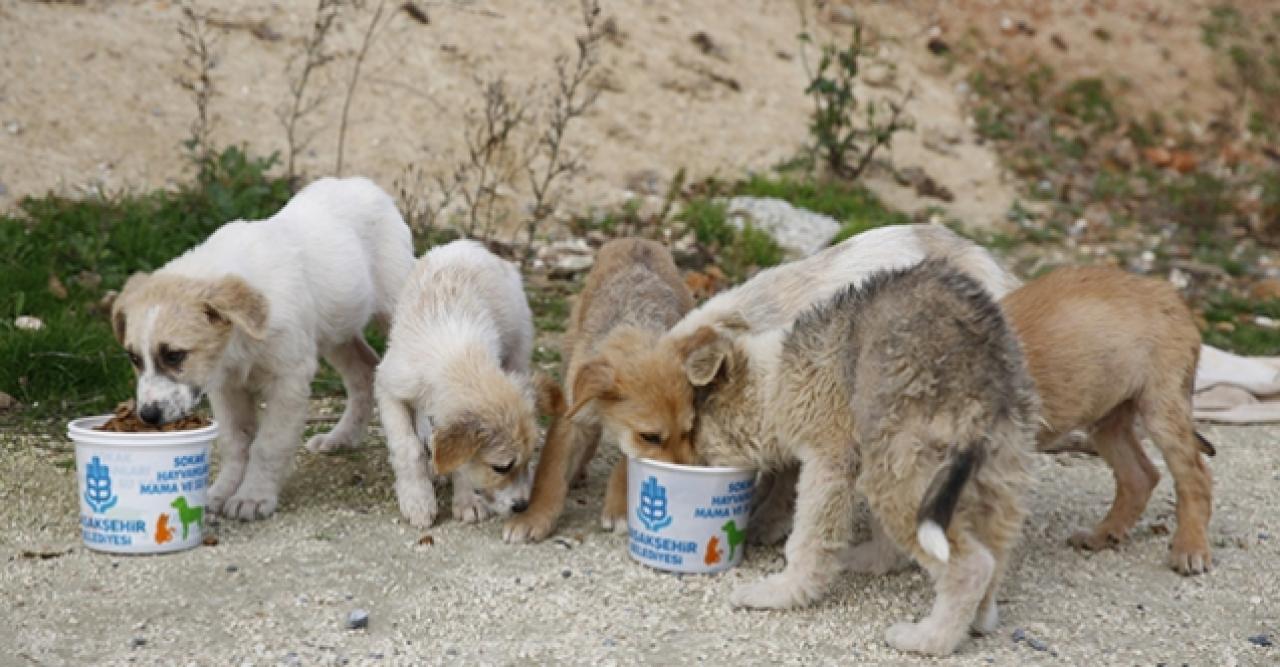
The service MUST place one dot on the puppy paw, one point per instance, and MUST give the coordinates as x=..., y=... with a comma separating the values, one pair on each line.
x=249, y=506
x=987, y=620
x=1089, y=540
x=1191, y=558
x=528, y=527
x=221, y=489
x=918, y=638
x=418, y=506
x=776, y=591
x=769, y=530
x=470, y=510
x=324, y=443
x=613, y=523
x=874, y=558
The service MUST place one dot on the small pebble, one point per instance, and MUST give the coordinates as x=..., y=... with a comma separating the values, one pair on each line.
x=426, y=540
x=233, y=568
x=1262, y=640
x=566, y=573
x=1264, y=536
x=1037, y=644
x=210, y=540
x=358, y=619
x=138, y=642
x=1019, y=634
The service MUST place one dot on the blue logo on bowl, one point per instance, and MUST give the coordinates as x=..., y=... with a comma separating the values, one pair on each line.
x=653, y=505
x=97, y=487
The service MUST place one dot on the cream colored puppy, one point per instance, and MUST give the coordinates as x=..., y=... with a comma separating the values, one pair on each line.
x=454, y=391
x=243, y=317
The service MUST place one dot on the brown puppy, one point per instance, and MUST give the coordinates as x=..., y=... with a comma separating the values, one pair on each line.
x=1107, y=348
x=634, y=291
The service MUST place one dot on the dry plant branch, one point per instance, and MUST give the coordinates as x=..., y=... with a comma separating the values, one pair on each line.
x=314, y=55
x=489, y=155
x=571, y=99
x=199, y=43
x=374, y=23
x=425, y=207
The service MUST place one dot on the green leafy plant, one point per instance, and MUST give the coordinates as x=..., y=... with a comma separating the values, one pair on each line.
x=838, y=140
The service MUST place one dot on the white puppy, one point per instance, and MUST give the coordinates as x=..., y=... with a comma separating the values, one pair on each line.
x=243, y=317
x=454, y=390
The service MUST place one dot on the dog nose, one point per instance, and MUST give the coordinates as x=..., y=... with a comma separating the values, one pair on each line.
x=519, y=506
x=150, y=414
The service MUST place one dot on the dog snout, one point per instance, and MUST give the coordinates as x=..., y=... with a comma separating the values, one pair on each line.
x=520, y=505
x=151, y=414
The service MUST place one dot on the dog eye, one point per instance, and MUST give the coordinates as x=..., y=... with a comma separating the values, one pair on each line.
x=652, y=438
x=135, y=359
x=173, y=357
x=504, y=469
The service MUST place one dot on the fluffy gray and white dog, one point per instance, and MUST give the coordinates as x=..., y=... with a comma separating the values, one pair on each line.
x=910, y=389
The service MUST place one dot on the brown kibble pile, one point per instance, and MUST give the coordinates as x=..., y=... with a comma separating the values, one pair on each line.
x=127, y=421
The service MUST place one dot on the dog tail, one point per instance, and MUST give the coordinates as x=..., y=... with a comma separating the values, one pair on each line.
x=941, y=498
x=1206, y=446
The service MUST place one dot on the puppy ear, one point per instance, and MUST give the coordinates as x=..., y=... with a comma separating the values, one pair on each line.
x=705, y=354
x=118, y=320
x=232, y=301
x=456, y=443
x=550, y=396
x=596, y=380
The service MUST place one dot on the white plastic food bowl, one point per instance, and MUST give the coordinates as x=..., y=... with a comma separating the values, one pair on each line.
x=141, y=493
x=687, y=518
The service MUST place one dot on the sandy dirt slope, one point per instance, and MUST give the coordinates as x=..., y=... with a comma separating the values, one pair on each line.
x=88, y=99
x=278, y=592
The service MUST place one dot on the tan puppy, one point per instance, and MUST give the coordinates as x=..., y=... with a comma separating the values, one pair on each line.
x=633, y=290
x=913, y=385
x=1106, y=349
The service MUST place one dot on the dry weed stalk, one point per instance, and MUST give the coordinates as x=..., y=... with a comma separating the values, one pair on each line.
x=374, y=23
x=491, y=162
x=315, y=55
x=198, y=42
x=572, y=98
x=424, y=207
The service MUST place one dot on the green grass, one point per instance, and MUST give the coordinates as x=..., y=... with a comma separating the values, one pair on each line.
x=74, y=362
x=1246, y=337
x=854, y=206
x=738, y=251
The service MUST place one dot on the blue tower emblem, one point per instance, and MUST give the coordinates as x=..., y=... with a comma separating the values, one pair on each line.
x=97, y=487
x=653, y=505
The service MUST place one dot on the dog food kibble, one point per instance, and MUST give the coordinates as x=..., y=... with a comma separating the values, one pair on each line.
x=358, y=619
x=125, y=420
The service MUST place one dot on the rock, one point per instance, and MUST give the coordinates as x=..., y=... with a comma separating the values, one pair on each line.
x=1058, y=42
x=56, y=288
x=937, y=46
x=879, y=75
x=28, y=323
x=795, y=230
x=13, y=127
x=566, y=573
x=89, y=279
x=565, y=259
x=707, y=45
x=1266, y=289
x=1158, y=156
x=1183, y=162
x=8, y=402
x=137, y=642
x=358, y=619
x=233, y=568
x=1019, y=634
x=1266, y=322
x=1262, y=640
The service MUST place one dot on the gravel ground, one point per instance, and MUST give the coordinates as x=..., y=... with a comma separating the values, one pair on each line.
x=280, y=591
